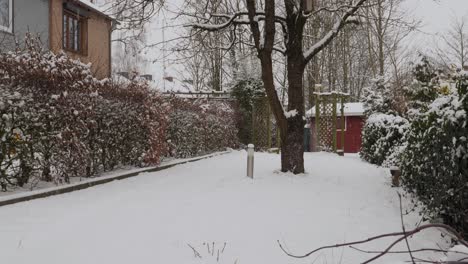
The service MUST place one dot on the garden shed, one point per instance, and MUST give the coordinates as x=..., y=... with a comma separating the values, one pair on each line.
x=354, y=121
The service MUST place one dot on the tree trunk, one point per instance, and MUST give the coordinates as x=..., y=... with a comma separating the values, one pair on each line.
x=292, y=147
x=292, y=150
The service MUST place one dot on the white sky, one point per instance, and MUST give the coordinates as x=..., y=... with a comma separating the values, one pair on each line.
x=436, y=17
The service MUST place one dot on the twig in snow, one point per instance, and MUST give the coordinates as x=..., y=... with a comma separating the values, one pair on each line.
x=404, y=230
x=406, y=252
x=195, y=252
x=222, y=251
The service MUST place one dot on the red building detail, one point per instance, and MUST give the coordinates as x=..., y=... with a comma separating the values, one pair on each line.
x=354, y=114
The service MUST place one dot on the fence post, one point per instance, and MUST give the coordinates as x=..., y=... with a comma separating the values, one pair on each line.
x=254, y=109
x=267, y=103
x=278, y=139
x=396, y=174
x=317, y=122
x=334, y=119
x=343, y=124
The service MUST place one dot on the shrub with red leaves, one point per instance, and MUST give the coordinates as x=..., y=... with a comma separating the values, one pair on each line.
x=57, y=121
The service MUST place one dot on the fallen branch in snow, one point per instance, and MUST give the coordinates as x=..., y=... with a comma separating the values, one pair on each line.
x=400, y=236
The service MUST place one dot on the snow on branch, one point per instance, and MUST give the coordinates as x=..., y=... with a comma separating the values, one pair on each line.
x=216, y=27
x=339, y=24
x=236, y=19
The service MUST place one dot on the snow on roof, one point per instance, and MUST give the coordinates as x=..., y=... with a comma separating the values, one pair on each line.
x=351, y=109
x=95, y=8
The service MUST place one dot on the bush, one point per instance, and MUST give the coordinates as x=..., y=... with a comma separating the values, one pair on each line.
x=384, y=129
x=435, y=162
x=246, y=91
x=58, y=121
x=382, y=137
x=198, y=127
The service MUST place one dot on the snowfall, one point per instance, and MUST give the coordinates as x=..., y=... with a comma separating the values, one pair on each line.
x=210, y=212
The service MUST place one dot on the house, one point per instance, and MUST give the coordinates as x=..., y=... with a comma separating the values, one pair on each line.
x=354, y=122
x=78, y=27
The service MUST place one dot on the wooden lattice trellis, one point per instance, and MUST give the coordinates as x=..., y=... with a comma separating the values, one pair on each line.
x=328, y=107
x=264, y=130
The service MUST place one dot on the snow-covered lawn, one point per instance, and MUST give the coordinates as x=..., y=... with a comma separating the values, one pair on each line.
x=157, y=217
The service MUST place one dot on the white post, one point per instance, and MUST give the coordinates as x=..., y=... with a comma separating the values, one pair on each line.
x=250, y=160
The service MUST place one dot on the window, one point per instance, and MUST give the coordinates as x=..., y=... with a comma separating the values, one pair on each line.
x=339, y=123
x=6, y=15
x=73, y=28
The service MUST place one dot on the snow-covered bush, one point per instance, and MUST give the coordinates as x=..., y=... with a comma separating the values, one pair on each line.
x=14, y=157
x=388, y=121
x=435, y=162
x=424, y=89
x=382, y=138
x=378, y=98
x=200, y=126
x=58, y=121
x=384, y=129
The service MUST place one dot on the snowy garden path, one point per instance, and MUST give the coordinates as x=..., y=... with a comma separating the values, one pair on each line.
x=154, y=218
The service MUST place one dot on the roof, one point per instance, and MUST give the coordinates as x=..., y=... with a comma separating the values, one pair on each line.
x=100, y=10
x=351, y=109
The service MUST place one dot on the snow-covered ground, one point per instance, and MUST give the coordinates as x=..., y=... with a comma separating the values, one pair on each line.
x=36, y=186
x=158, y=217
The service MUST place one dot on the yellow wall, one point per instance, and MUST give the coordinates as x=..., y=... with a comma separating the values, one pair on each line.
x=98, y=39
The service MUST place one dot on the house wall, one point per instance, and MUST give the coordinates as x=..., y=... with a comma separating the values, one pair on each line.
x=353, y=138
x=28, y=16
x=98, y=39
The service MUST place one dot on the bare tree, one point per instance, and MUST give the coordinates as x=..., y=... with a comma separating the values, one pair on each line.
x=279, y=28
x=299, y=36
x=455, y=44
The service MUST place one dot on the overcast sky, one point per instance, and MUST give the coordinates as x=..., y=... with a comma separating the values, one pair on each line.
x=435, y=15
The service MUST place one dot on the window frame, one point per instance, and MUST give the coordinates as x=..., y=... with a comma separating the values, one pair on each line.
x=66, y=32
x=10, y=14
x=338, y=119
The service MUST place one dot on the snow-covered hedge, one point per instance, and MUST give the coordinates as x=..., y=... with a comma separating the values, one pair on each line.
x=199, y=126
x=435, y=162
x=58, y=121
x=429, y=144
x=382, y=138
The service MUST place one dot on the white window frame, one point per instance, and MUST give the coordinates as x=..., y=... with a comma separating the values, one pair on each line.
x=10, y=13
x=345, y=123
